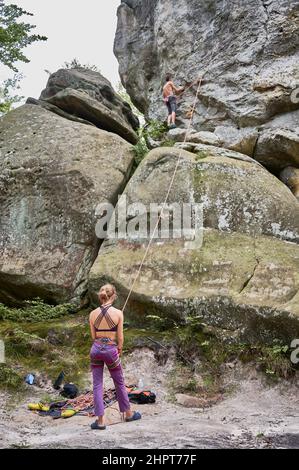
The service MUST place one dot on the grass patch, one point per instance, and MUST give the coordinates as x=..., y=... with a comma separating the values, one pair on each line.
x=9, y=378
x=47, y=348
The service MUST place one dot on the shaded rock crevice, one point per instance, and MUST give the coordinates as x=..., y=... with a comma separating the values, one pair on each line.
x=249, y=278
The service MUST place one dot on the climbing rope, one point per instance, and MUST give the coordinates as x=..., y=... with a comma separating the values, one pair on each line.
x=166, y=198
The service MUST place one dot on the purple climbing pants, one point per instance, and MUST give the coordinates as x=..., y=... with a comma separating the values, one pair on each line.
x=106, y=353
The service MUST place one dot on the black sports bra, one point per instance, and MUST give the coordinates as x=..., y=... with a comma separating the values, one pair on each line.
x=104, y=314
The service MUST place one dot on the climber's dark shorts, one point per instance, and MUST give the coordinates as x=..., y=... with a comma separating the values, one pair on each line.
x=171, y=104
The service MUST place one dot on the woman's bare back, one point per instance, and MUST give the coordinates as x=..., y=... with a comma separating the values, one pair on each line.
x=115, y=316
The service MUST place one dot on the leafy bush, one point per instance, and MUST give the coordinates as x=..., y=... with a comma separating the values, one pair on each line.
x=155, y=129
x=35, y=310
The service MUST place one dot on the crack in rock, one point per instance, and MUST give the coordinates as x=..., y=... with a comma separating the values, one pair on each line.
x=250, y=277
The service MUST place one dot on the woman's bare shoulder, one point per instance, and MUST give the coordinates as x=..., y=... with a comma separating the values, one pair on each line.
x=93, y=314
x=118, y=312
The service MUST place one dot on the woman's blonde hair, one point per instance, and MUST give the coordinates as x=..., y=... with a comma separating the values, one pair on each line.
x=106, y=293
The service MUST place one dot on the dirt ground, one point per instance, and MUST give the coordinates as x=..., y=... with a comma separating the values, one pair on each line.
x=252, y=415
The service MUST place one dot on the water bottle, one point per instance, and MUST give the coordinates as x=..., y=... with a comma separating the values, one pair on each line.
x=140, y=384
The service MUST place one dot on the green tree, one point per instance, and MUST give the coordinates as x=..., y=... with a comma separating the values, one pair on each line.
x=7, y=95
x=15, y=35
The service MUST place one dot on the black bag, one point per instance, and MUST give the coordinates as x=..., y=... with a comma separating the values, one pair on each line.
x=142, y=397
x=58, y=381
x=69, y=391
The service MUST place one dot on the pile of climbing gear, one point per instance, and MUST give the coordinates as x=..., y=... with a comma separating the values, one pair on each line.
x=83, y=404
x=141, y=397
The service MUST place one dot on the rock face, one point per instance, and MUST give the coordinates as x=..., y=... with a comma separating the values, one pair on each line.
x=54, y=173
x=248, y=53
x=243, y=278
x=89, y=96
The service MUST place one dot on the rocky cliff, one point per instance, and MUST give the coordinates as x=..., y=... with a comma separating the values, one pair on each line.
x=69, y=150
x=244, y=134
x=247, y=52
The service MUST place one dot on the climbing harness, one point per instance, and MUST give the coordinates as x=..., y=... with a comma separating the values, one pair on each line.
x=165, y=201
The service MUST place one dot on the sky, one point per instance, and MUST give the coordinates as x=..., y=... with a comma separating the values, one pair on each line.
x=84, y=30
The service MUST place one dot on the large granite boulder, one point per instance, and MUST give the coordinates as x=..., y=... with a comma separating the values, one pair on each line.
x=88, y=95
x=248, y=53
x=244, y=278
x=53, y=174
x=277, y=146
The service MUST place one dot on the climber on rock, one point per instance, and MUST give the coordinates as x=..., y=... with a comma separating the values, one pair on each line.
x=169, y=98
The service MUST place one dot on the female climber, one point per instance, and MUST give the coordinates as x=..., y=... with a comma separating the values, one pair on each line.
x=106, y=327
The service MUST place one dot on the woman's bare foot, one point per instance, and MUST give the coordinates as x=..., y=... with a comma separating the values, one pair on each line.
x=129, y=414
x=101, y=421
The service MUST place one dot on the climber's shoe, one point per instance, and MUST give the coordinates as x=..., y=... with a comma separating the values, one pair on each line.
x=96, y=425
x=68, y=413
x=172, y=126
x=38, y=407
x=135, y=417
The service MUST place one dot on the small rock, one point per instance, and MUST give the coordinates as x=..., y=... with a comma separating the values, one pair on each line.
x=207, y=138
x=189, y=401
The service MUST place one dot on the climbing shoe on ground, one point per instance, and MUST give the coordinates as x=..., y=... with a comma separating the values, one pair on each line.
x=68, y=413
x=38, y=407
x=172, y=126
x=135, y=416
x=96, y=425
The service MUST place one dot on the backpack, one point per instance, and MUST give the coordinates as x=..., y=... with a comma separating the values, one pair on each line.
x=142, y=397
x=69, y=391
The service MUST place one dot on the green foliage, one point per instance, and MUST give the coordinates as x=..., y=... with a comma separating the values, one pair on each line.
x=9, y=377
x=75, y=64
x=7, y=96
x=15, y=35
x=275, y=361
x=47, y=347
x=34, y=311
x=192, y=342
x=155, y=129
x=140, y=149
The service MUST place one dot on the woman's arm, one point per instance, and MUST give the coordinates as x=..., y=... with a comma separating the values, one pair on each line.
x=92, y=329
x=120, y=333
